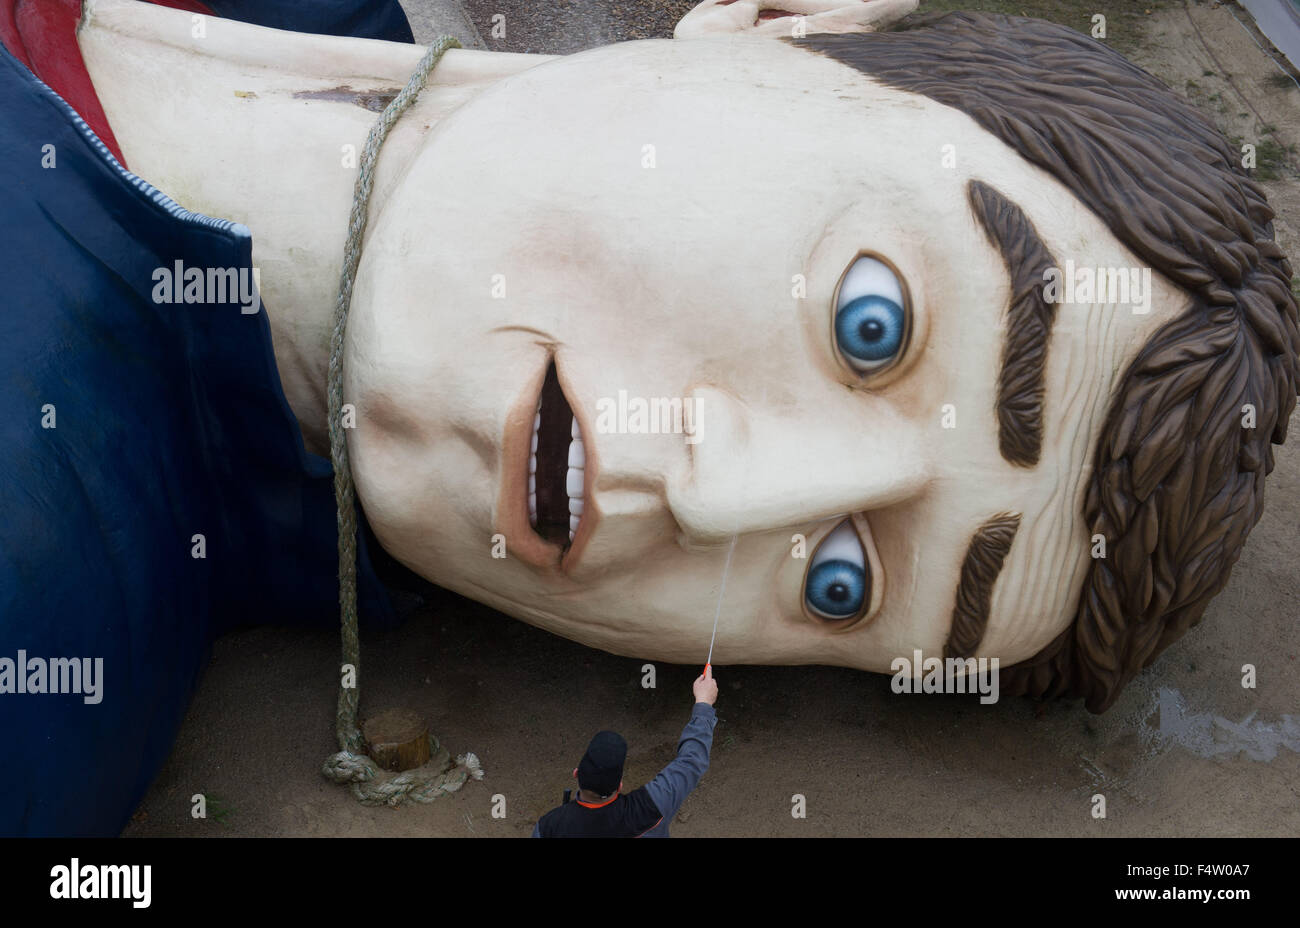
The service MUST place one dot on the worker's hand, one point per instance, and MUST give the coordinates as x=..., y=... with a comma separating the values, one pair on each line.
x=705, y=687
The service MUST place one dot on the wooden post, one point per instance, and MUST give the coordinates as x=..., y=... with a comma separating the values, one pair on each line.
x=397, y=739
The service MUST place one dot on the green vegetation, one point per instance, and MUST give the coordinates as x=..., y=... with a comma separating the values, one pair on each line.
x=218, y=810
x=1271, y=159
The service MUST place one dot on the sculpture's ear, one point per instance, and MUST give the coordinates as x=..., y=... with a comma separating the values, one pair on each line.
x=1177, y=486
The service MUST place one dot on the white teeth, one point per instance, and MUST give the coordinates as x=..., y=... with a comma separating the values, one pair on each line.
x=574, y=478
x=532, y=468
x=573, y=482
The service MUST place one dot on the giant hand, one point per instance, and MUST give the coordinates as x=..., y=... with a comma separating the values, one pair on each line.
x=790, y=17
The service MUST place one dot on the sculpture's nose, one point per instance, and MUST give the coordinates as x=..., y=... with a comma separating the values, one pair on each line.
x=756, y=469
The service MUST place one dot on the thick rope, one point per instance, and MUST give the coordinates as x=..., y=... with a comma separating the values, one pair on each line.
x=423, y=784
x=350, y=765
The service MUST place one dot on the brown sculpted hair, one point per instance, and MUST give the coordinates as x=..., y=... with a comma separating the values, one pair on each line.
x=979, y=571
x=1177, y=480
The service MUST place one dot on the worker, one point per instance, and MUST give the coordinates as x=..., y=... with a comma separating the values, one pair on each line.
x=601, y=810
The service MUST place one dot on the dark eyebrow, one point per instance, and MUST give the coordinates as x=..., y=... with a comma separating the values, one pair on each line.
x=979, y=571
x=1028, y=325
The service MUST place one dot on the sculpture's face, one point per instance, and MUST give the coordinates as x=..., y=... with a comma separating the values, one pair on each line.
x=639, y=215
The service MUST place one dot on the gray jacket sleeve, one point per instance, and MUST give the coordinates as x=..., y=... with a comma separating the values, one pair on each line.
x=674, y=783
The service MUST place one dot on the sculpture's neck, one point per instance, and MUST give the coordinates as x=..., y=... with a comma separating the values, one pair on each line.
x=266, y=128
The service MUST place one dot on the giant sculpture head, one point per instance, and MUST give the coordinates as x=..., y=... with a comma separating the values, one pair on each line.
x=836, y=254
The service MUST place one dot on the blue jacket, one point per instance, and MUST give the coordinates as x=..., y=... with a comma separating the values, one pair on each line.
x=129, y=427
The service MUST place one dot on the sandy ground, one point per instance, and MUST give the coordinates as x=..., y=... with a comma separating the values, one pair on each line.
x=561, y=27
x=1186, y=751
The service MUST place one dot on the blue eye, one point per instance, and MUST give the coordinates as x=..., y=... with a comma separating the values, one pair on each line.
x=836, y=589
x=871, y=324
x=869, y=331
x=839, y=582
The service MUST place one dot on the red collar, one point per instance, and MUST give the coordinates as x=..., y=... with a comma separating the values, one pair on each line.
x=42, y=34
x=598, y=805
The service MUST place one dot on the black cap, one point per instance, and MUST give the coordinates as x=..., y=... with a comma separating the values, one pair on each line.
x=601, y=768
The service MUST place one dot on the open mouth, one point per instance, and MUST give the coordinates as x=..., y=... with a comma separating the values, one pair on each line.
x=556, y=466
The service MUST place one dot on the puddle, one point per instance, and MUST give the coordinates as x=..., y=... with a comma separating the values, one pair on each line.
x=1208, y=735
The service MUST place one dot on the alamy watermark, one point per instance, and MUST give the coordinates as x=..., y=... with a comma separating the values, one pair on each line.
x=55, y=675
x=76, y=880
x=656, y=415
x=181, y=284
x=949, y=675
x=1124, y=286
